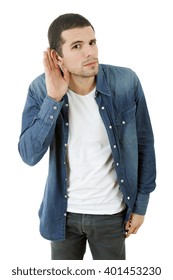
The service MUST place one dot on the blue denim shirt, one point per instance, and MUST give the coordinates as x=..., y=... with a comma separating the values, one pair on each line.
x=123, y=109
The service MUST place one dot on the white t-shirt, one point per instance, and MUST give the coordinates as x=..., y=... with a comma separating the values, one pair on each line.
x=93, y=186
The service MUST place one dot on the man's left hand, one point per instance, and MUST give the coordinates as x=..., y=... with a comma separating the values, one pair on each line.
x=133, y=224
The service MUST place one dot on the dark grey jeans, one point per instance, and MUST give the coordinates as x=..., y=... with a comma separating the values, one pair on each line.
x=103, y=232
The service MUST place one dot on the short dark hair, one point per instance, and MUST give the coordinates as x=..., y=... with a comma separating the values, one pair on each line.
x=62, y=23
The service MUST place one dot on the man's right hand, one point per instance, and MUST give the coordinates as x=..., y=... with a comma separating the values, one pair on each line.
x=56, y=84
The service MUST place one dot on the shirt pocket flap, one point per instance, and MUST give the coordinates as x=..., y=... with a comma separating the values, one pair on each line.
x=126, y=116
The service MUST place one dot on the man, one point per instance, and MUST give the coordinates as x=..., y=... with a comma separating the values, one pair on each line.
x=95, y=122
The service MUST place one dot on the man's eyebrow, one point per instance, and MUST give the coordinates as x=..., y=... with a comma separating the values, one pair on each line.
x=79, y=42
x=75, y=42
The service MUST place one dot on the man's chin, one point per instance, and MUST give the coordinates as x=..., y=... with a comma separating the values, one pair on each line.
x=93, y=71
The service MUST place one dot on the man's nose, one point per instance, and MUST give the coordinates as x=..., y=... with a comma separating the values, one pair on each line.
x=88, y=51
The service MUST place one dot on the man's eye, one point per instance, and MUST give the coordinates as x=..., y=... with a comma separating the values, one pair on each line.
x=93, y=43
x=77, y=46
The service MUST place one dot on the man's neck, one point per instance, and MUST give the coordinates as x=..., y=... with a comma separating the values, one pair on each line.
x=82, y=85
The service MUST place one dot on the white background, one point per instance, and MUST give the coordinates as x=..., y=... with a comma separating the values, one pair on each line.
x=131, y=33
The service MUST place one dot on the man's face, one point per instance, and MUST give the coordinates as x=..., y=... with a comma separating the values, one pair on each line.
x=80, y=52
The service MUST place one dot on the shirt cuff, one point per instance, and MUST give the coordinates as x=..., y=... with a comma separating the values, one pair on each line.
x=141, y=204
x=50, y=110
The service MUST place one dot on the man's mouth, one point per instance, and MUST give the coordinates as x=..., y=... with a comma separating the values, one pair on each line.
x=91, y=63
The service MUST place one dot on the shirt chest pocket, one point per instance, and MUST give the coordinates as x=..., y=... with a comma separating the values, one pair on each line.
x=125, y=124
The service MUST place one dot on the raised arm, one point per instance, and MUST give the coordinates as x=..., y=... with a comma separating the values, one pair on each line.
x=41, y=111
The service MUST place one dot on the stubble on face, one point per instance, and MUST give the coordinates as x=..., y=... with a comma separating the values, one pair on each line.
x=88, y=68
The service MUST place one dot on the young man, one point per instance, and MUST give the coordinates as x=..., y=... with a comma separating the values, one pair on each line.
x=95, y=122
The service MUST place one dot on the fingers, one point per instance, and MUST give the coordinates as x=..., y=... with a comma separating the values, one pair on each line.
x=128, y=225
x=133, y=224
x=51, y=64
x=48, y=62
x=56, y=82
x=131, y=230
x=128, y=228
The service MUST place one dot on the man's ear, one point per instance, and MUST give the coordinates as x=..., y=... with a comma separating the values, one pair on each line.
x=56, y=58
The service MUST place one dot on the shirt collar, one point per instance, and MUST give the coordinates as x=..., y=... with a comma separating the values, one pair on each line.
x=101, y=82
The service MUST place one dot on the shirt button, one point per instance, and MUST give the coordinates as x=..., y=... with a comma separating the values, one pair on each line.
x=122, y=181
x=123, y=122
x=65, y=196
x=66, y=124
x=117, y=163
x=51, y=117
x=55, y=107
x=65, y=214
x=66, y=105
x=110, y=127
x=114, y=146
x=128, y=197
x=65, y=144
x=102, y=107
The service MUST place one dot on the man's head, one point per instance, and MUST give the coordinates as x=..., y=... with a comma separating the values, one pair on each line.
x=62, y=23
x=73, y=45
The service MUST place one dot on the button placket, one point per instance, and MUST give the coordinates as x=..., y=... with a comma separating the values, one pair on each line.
x=66, y=124
x=111, y=136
